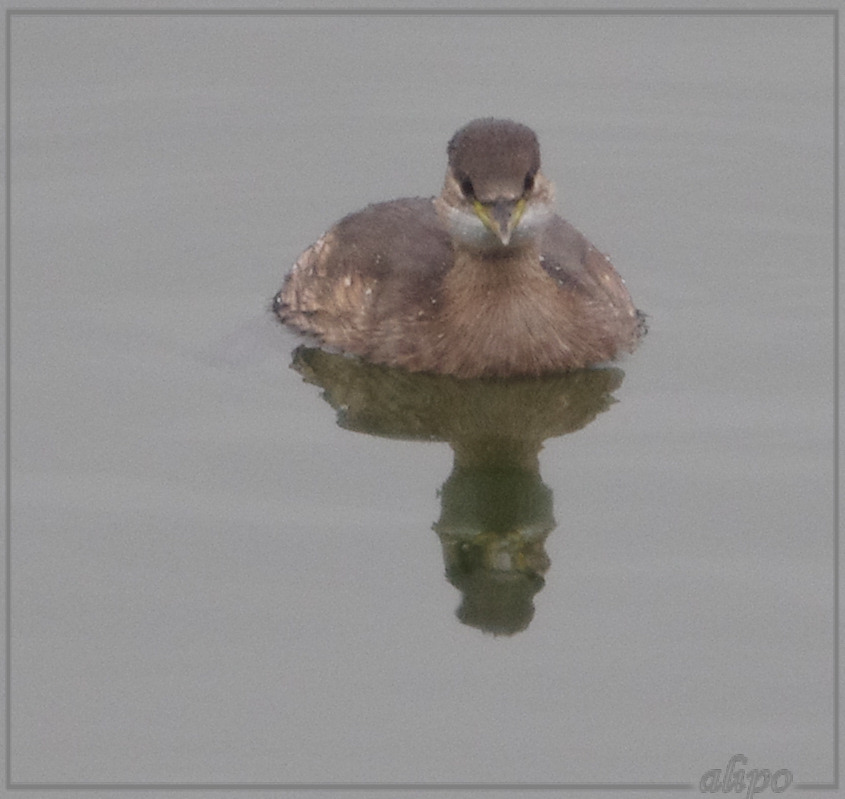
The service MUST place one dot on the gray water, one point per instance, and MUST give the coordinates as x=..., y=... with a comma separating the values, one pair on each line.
x=224, y=573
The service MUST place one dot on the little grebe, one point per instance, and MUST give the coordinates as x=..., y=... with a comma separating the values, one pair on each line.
x=483, y=281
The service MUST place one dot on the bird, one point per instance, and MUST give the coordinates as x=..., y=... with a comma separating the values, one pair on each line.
x=483, y=281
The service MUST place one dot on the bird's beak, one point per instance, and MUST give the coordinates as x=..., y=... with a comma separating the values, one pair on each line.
x=500, y=216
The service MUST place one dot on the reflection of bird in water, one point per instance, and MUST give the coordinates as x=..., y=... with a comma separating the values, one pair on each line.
x=493, y=527
x=496, y=512
x=484, y=280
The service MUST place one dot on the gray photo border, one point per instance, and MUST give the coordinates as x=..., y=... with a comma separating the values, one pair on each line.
x=833, y=13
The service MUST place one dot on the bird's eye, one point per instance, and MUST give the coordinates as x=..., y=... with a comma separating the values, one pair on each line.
x=466, y=187
x=529, y=182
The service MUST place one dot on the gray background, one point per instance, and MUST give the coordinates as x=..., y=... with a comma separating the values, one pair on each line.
x=212, y=582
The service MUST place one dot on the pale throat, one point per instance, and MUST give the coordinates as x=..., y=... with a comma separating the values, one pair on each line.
x=467, y=231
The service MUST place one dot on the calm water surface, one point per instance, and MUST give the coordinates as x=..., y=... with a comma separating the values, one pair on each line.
x=226, y=569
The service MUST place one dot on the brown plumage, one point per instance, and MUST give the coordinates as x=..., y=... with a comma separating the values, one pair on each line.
x=483, y=281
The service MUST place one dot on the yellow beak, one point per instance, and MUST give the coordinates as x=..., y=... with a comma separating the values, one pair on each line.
x=500, y=217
